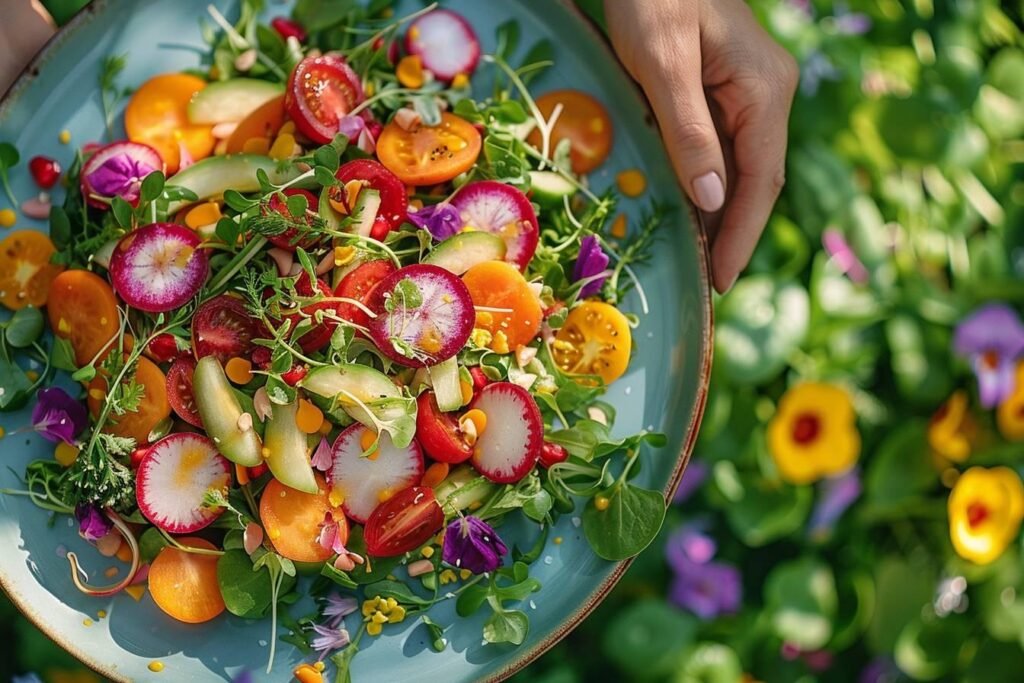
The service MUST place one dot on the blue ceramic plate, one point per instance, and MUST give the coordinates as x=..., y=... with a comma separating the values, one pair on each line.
x=664, y=389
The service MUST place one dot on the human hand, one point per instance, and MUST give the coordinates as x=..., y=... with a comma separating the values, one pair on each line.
x=721, y=89
x=25, y=28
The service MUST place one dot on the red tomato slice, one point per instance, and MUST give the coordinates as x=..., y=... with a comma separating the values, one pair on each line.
x=321, y=90
x=288, y=239
x=584, y=121
x=222, y=327
x=179, y=390
x=404, y=522
x=439, y=432
x=394, y=202
x=359, y=285
x=320, y=334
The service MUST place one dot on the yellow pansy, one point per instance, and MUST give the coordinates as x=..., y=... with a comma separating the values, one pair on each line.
x=1010, y=415
x=952, y=430
x=813, y=434
x=985, y=511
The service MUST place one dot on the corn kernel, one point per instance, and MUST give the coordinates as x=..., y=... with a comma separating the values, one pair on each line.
x=156, y=667
x=414, y=33
x=64, y=137
x=202, y=215
x=410, y=71
x=385, y=495
x=460, y=81
x=601, y=503
x=500, y=343
x=427, y=551
x=484, y=318
x=65, y=454
x=344, y=255
x=258, y=145
x=632, y=182
x=466, y=389
x=480, y=337
x=136, y=592
x=448, y=576
x=397, y=614
x=369, y=607
x=374, y=629
x=8, y=218
x=465, y=574
x=379, y=617
x=283, y=147
x=367, y=440
x=618, y=228
x=287, y=129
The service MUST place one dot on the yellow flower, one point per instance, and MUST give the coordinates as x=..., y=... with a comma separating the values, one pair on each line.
x=813, y=434
x=985, y=511
x=952, y=430
x=1010, y=415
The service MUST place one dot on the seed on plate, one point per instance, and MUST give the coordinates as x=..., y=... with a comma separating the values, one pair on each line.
x=64, y=137
x=8, y=218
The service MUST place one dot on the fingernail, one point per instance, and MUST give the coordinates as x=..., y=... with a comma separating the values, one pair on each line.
x=709, y=192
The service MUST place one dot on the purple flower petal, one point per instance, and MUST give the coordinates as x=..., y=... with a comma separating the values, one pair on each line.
x=835, y=497
x=591, y=262
x=57, y=416
x=995, y=384
x=440, y=220
x=92, y=524
x=120, y=176
x=695, y=475
x=471, y=543
x=689, y=545
x=328, y=639
x=338, y=608
x=708, y=590
x=323, y=457
x=992, y=338
x=351, y=127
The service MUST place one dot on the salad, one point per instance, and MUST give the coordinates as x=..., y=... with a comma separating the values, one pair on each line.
x=339, y=302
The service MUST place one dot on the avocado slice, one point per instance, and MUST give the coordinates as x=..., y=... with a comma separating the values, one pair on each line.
x=221, y=411
x=461, y=252
x=231, y=100
x=341, y=383
x=288, y=450
x=210, y=177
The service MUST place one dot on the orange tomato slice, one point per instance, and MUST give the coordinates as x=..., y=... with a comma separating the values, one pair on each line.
x=157, y=115
x=184, y=584
x=428, y=155
x=293, y=520
x=584, y=121
x=153, y=409
x=595, y=340
x=264, y=122
x=497, y=284
x=26, y=274
x=82, y=309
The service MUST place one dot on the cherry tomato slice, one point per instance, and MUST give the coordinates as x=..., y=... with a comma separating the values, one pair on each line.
x=288, y=239
x=321, y=90
x=404, y=522
x=428, y=155
x=179, y=390
x=153, y=408
x=157, y=115
x=26, y=273
x=394, y=202
x=319, y=335
x=594, y=340
x=223, y=328
x=584, y=121
x=439, y=433
x=82, y=308
x=359, y=285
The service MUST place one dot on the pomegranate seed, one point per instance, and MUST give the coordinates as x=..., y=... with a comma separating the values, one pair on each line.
x=287, y=28
x=256, y=472
x=295, y=375
x=45, y=171
x=479, y=378
x=261, y=357
x=552, y=454
x=163, y=348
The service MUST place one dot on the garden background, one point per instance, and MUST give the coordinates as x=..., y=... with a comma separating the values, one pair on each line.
x=812, y=537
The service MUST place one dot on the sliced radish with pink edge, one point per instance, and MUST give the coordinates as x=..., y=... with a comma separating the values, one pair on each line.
x=364, y=482
x=445, y=43
x=511, y=442
x=424, y=315
x=502, y=210
x=159, y=267
x=141, y=157
x=173, y=477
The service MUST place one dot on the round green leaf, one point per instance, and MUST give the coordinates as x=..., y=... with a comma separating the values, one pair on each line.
x=760, y=511
x=24, y=327
x=901, y=469
x=247, y=593
x=710, y=663
x=629, y=523
x=646, y=639
x=927, y=650
x=801, y=599
x=900, y=593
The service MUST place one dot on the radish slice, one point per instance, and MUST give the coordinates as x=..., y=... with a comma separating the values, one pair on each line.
x=142, y=157
x=365, y=482
x=173, y=477
x=445, y=43
x=424, y=315
x=504, y=211
x=159, y=267
x=511, y=443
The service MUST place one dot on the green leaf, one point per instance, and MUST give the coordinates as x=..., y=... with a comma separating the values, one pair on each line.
x=437, y=639
x=227, y=230
x=9, y=156
x=247, y=591
x=760, y=510
x=397, y=590
x=628, y=525
x=506, y=39
x=471, y=599
x=16, y=386
x=337, y=576
x=62, y=356
x=802, y=602
x=24, y=327
x=507, y=626
x=928, y=649
x=646, y=639
x=60, y=227
x=317, y=15
x=123, y=212
x=235, y=200
x=901, y=469
x=783, y=250
x=152, y=187
x=151, y=542
x=709, y=663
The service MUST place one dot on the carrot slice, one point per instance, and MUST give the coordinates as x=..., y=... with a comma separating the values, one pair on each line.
x=264, y=123
x=153, y=408
x=82, y=309
x=500, y=285
x=157, y=115
x=184, y=584
x=26, y=273
x=293, y=520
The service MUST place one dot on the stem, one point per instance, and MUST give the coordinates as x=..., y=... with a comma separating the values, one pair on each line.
x=379, y=96
x=7, y=188
x=368, y=43
x=133, y=545
x=241, y=43
x=187, y=548
x=275, y=591
x=243, y=257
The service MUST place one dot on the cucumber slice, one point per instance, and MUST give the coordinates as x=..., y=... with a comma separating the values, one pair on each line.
x=549, y=188
x=221, y=411
x=365, y=212
x=210, y=177
x=287, y=450
x=445, y=379
x=461, y=252
x=332, y=219
x=233, y=100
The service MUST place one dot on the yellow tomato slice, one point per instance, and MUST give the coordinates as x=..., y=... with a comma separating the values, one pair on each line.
x=595, y=340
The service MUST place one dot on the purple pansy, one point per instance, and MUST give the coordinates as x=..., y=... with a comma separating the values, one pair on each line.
x=120, y=176
x=835, y=496
x=356, y=130
x=471, y=543
x=991, y=338
x=323, y=458
x=591, y=263
x=92, y=523
x=328, y=639
x=695, y=475
x=708, y=590
x=337, y=608
x=57, y=416
x=440, y=220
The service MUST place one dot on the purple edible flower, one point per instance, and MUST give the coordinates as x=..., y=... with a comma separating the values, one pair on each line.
x=57, y=416
x=708, y=590
x=358, y=133
x=991, y=338
x=440, y=220
x=695, y=475
x=590, y=263
x=836, y=495
x=328, y=639
x=92, y=524
x=338, y=608
x=323, y=458
x=121, y=176
x=471, y=543
x=689, y=544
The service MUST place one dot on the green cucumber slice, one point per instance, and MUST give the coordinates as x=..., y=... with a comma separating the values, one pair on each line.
x=549, y=188
x=461, y=252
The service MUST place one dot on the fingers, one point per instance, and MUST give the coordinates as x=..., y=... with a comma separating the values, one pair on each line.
x=662, y=50
x=25, y=29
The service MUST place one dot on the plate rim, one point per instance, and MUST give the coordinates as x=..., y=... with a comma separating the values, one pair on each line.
x=569, y=623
